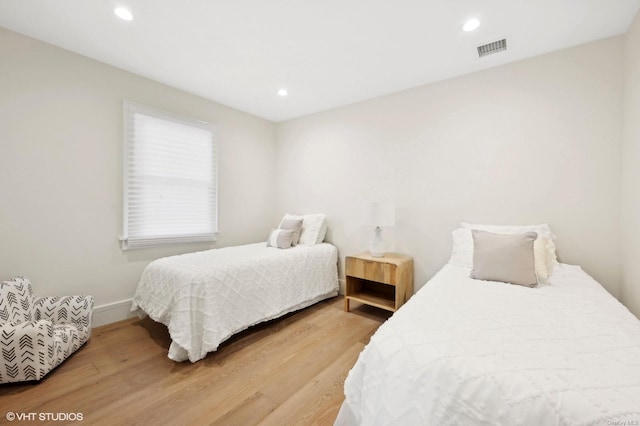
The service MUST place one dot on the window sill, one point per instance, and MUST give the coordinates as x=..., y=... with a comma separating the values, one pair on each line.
x=150, y=242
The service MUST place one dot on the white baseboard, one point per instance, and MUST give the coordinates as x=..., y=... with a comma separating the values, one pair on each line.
x=111, y=312
x=118, y=311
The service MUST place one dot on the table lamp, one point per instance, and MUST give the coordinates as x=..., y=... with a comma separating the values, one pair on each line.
x=379, y=215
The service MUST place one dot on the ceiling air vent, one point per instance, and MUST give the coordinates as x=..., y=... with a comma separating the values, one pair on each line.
x=493, y=47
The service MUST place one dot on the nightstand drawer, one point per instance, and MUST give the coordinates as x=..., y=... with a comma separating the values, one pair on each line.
x=384, y=282
x=370, y=270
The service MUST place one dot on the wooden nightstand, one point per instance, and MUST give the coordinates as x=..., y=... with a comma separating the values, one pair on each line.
x=385, y=282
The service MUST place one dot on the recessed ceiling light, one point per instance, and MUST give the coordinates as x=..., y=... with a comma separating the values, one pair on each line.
x=123, y=13
x=471, y=24
x=283, y=92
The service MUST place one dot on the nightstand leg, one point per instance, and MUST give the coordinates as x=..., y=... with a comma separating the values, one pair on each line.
x=346, y=304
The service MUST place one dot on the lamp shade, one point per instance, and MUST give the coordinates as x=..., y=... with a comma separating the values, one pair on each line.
x=379, y=214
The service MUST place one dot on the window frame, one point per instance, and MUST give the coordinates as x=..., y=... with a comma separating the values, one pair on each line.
x=128, y=243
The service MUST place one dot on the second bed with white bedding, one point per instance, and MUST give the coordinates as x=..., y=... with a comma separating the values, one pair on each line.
x=206, y=297
x=469, y=352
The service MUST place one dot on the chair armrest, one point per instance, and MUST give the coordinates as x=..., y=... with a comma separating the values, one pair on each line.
x=41, y=330
x=76, y=310
x=27, y=350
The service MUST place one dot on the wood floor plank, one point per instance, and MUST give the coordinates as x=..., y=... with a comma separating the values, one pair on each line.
x=320, y=397
x=286, y=371
x=231, y=380
x=256, y=406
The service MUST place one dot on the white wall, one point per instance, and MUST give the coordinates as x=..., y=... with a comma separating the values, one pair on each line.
x=534, y=141
x=630, y=217
x=61, y=170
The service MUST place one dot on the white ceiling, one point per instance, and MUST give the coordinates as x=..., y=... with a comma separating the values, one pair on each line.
x=326, y=53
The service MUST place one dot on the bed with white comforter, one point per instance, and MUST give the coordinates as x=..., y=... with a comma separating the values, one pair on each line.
x=204, y=298
x=469, y=352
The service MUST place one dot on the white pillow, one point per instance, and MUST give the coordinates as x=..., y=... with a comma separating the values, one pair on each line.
x=544, y=249
x=280, y=238
x=462, y=250
x=314, y=228
x=294, y=225
x=543, y=228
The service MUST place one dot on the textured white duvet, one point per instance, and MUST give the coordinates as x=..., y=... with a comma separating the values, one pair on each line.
x=204, y=298
x=467, y=352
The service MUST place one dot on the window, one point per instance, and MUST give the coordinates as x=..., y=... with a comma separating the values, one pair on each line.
x=170, y=179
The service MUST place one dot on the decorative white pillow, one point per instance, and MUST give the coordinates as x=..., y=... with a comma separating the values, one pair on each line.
x=544, y=248
x=280, y=238
x=549, y=248
x=294, y=225
x=314, y=227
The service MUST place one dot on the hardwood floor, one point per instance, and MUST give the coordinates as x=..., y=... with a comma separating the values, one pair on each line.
x=289, y=371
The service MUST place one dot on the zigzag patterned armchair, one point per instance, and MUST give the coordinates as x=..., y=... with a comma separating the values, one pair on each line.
x=38, y=333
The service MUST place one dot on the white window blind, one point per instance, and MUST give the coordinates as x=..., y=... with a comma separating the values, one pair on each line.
x=170, y=181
